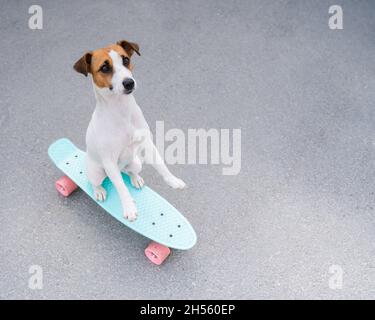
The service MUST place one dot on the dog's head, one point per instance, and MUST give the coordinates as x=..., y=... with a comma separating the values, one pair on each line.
x=110, y=67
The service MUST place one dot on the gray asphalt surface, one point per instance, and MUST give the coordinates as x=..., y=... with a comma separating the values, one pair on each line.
x=303, y=96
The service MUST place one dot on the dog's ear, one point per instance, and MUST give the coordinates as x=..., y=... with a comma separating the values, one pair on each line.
x=129, y=47
x=83, y=64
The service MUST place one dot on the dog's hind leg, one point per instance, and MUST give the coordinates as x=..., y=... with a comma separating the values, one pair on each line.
x=153, y=157
x=96, y=175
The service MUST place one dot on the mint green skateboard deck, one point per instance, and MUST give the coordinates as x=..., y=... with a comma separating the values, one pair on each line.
x=157, y=219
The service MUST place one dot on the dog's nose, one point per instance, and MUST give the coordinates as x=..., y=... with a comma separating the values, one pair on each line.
x=128, y=84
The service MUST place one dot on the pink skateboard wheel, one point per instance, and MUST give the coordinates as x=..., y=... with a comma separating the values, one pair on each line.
x=157, y=253
x=65, y=186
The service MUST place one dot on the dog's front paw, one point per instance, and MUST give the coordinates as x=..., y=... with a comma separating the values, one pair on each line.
x=130, y=211
x=175, y=182
x=100, y=193
x=136, y=181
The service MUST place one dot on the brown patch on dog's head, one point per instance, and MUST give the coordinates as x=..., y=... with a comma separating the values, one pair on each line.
x=100, y=65
x=102, y=68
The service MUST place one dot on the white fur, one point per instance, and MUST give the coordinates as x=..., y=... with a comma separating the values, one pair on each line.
x=120, y=73
x=114, y=144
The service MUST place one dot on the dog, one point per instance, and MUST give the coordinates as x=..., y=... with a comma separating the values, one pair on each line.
x=118, y=138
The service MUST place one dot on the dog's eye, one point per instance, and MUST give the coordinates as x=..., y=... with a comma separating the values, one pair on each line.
x=125, y=61
x=105, y=68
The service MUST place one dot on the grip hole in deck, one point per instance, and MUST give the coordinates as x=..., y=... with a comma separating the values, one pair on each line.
x=171, y=235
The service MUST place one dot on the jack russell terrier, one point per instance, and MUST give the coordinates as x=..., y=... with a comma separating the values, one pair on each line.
x=118, y=138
